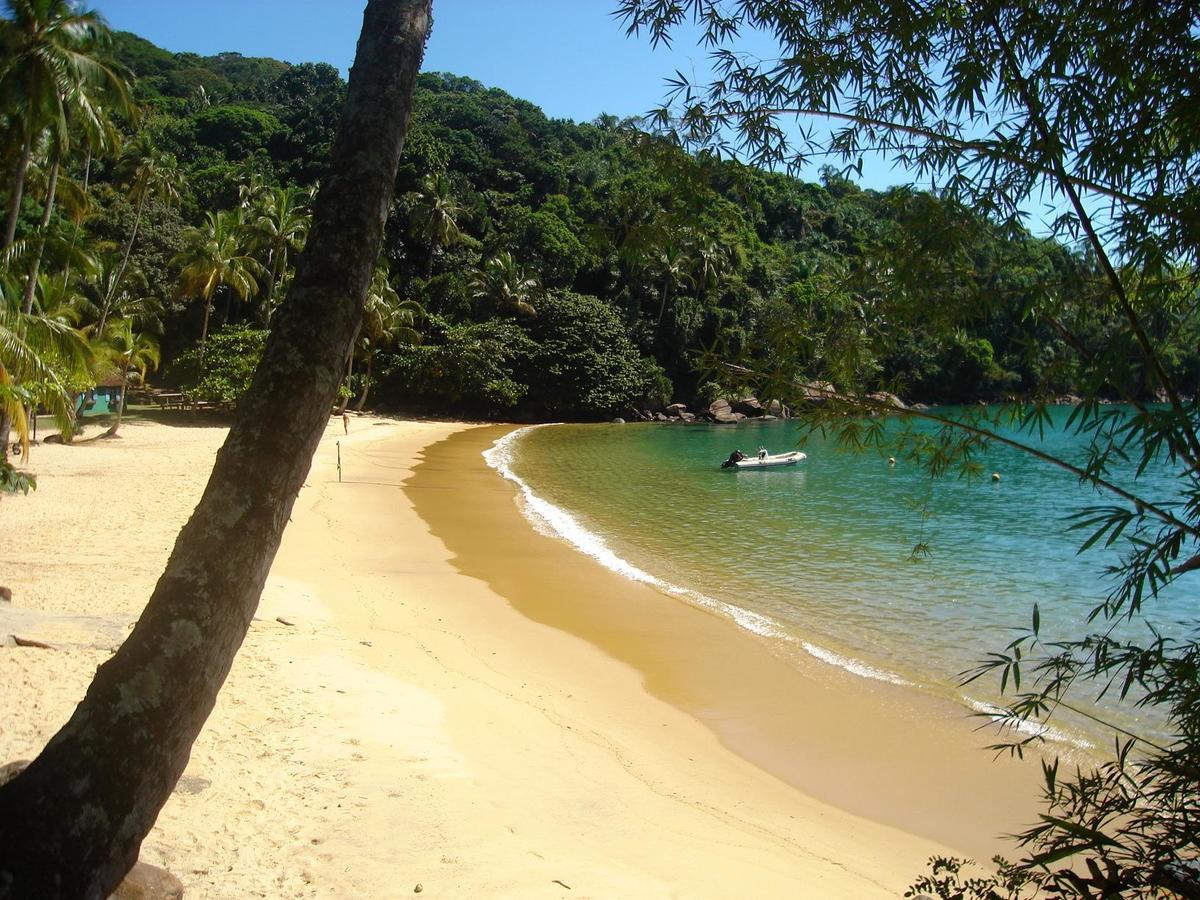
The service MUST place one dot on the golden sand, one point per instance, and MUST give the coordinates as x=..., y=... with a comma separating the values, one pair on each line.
x=474, y=708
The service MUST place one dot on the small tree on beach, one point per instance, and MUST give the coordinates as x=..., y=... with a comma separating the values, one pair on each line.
x=1003, y=104
x=133, y=352
x=72, y=823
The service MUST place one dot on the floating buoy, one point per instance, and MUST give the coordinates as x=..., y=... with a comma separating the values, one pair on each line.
x=891, y=460
x=995, y=476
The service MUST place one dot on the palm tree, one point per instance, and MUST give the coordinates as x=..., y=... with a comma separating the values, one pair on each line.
x=52, y=77
x=672, y=263
x=387, y=319
x=212, y=258
x=282, y=225
x=150, y=174
x=76, y=204
x=711, y=258
x=505, y=282
x=131, y=350
x=434, y=216
x=126, y=300
x=43, y=359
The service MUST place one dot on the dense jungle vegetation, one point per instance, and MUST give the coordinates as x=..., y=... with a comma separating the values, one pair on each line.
x=532, y=268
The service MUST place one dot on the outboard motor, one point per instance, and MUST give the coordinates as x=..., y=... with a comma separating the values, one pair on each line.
x=734, y=458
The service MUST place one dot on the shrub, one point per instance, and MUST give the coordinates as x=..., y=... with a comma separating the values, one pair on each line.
x=230, y=358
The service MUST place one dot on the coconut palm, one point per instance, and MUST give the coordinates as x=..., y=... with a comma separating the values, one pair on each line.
x=213, y=258
x=52, y=78
x=126, y=300
x=504, y=282
x=150, y=173
x=43, y=359
x=131, y=351
x=281, y=226
x=75, y=201
x=387, y=319
x=711, y=259
x=672, y=263
x=434, y=217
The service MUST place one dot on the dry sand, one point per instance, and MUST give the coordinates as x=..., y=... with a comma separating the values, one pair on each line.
x=410, y=726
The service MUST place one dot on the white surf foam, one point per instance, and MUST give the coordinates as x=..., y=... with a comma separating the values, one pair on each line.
x=554, y=521
x=1027, y=726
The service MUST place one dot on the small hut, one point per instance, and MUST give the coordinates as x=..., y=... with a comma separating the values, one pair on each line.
x=105, y=397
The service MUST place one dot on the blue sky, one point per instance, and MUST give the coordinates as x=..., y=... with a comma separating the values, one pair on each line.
x=570, y=57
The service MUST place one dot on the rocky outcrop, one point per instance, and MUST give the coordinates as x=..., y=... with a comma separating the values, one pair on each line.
x=676, y=410
x=748, y=407
x=889, y=399
x=817, y=392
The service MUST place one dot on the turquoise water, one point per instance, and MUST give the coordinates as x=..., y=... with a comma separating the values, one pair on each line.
x=817, y=558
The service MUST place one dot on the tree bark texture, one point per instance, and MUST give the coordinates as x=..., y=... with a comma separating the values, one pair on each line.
x=18, y=190
x=47, y=212
x=72, y=823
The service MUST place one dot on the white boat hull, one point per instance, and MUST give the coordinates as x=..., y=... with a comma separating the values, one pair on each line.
x=769, y=462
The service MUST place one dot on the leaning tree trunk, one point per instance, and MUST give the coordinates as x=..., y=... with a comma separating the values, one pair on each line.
x=17, y=191
x=115, y=284
x=47, y=212
x=116, y=426
x=72, y=823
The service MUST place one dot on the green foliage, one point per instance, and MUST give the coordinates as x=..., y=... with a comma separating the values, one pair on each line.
x=13, y=480
x=236, y=131
x=573, y=360
x=230, y=358
x=945, y=881
x=478, y=368
x=585, y=366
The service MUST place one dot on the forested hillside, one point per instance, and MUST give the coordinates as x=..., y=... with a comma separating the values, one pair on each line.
x=536, y=267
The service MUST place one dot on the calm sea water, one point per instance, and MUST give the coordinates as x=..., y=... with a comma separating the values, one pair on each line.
x=818, y=558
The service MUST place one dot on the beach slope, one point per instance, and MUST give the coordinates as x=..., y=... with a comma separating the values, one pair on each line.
x=390, y=721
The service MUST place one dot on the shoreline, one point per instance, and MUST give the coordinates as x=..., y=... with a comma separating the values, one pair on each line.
x=391, y=721
x=892, y=753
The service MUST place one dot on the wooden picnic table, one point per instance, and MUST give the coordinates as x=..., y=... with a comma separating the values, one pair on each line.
x=170, y=400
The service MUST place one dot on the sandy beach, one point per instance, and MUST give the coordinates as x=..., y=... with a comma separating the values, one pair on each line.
x=433, y=694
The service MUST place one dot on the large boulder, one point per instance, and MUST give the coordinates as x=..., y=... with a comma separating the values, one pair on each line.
x=778, y=409
x=676, y=410
x=748, y=407
x=719, y=408
x=817, y=392
x=889, y=399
